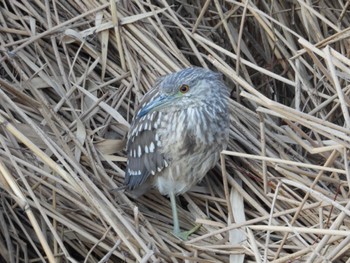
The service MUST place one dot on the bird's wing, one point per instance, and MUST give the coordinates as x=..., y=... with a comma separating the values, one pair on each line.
x=143, y=146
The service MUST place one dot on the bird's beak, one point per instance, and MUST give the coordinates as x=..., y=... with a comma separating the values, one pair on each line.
x=159, y=103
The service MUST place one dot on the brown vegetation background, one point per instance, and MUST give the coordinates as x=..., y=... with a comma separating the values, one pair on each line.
x=71, y=76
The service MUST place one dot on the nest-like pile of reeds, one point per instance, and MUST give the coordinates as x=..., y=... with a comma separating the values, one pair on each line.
x=71, y=76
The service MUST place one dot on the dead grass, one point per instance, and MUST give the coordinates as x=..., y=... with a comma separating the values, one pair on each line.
x=72, y=73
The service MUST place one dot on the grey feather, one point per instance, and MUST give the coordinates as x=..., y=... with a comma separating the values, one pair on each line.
x=176, y=137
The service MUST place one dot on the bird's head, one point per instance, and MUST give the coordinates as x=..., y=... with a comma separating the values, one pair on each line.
x=191, y=87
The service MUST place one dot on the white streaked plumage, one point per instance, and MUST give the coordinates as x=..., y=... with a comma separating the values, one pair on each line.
x=178, y=133
x=190, y=131
x=151, y=147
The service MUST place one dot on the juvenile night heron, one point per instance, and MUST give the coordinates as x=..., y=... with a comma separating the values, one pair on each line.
x=177, y=134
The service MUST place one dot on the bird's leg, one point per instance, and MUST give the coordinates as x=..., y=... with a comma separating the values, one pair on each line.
x=176, y=227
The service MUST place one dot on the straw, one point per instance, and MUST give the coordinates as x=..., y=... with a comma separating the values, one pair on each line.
x=72, y=74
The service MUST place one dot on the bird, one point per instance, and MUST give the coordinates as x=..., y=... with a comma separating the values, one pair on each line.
x=177, y=134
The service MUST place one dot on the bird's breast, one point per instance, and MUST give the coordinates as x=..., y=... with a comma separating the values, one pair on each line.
x=192, y=140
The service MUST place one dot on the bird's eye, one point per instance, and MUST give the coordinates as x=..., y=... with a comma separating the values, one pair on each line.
x=184, y=88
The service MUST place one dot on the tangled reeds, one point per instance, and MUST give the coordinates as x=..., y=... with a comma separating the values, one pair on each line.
x=71, y=76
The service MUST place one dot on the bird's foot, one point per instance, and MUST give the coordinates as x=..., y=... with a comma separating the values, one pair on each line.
x=185, y=234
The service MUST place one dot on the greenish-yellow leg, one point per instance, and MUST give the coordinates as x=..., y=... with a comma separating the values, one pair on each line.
x=176, y=227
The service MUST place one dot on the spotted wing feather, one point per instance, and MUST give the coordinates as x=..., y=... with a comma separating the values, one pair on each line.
x=143, y=147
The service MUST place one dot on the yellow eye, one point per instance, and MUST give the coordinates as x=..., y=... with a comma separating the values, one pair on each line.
x=184, y=88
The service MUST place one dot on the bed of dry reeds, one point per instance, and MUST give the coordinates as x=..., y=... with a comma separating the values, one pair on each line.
x=71, y=76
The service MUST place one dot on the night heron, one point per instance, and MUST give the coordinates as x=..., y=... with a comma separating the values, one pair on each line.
x=177, y=134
